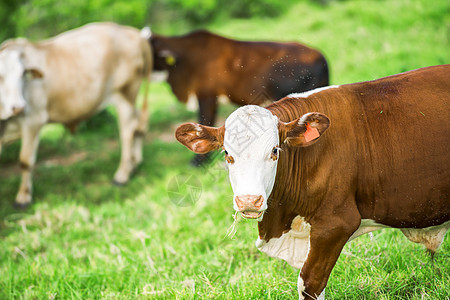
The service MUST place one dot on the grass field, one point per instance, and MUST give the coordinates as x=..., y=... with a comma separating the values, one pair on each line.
x=84, y=238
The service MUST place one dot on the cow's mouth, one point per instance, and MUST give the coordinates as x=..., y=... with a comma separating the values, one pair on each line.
x=251, y=214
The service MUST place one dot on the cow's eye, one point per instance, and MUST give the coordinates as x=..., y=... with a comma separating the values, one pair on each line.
x=228, y=157
x=274, y=154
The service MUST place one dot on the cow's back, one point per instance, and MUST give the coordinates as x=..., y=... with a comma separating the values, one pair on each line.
x=274, y=70
x=403, y=143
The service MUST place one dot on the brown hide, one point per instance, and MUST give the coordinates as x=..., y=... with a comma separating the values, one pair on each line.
x=209, y=65
x=384, y=157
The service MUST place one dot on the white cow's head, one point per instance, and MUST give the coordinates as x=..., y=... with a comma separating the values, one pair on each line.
x=252, y=139
x=13, y=73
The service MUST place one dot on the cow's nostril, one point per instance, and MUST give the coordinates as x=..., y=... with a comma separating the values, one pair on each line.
x=240, y=203
x=258, y=202
x=17, y=110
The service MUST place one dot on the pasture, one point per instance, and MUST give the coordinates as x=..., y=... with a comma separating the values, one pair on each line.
x=83, y=238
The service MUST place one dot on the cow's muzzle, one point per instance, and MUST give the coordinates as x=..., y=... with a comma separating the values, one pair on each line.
x=250, y=206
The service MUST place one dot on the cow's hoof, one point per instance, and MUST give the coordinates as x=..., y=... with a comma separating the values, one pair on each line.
x=121, y=178
x=21, y=206
x=200, y=160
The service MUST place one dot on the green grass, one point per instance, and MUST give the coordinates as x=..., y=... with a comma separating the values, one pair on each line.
x=85, y=239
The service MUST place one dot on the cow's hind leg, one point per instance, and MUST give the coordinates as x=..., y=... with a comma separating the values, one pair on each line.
x=28, y=151
x=131, y=140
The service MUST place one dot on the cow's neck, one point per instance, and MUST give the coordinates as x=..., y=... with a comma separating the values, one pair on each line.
x=298, y=169
x=287, y=200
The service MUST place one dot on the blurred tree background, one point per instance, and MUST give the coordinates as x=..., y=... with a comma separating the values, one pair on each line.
x=37, y=19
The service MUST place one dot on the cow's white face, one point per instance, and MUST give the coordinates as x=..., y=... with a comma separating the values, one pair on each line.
x=251, y=138
x=12, y=72
x=251, y=145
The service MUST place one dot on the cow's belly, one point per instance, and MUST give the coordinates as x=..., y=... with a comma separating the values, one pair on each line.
x=72, y=116
x=292, y=247
x=73, y=107
x=366, y=226
x=431, y=237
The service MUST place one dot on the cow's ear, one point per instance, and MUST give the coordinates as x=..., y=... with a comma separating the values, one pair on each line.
x=199, y=138
x=33, y=73
x=303, y=131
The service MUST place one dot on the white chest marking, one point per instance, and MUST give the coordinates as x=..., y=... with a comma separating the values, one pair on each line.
x=292, y=247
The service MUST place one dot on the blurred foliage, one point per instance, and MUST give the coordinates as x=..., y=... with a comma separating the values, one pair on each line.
x=38, y=19
x=7, y=10
x=43, y=18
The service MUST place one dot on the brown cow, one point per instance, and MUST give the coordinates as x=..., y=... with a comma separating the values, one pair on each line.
x=375, y=156
x=203, y=66
x=66, y=80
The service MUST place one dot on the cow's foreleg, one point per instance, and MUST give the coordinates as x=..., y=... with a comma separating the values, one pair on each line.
x=206, y=116
x=128, y=125
x=28, y=151
x=328, y=237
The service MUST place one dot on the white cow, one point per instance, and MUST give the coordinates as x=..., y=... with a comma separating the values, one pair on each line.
x=67, y=79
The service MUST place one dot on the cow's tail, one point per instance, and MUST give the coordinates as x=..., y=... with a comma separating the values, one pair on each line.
x=148, y=65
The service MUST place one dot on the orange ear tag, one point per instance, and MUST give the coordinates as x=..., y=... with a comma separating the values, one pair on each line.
x=310, y=133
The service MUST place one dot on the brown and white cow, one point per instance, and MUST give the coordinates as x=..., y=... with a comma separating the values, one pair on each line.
x=67, y=79
x=203, y=66
x=320, y=168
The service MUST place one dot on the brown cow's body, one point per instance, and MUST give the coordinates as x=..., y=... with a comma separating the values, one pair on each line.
x=388, y=143
x=383, y=162
x=384, y=158
x=206, y=65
